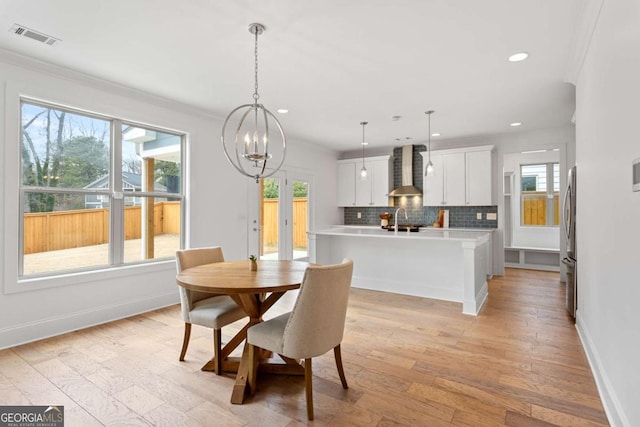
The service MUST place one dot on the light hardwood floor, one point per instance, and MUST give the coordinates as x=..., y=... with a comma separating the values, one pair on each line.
x=408, y=361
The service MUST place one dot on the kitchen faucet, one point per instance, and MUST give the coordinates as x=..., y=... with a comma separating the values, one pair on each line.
x=395, y=230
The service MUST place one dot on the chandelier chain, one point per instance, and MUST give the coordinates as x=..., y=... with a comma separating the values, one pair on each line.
x=256, y=96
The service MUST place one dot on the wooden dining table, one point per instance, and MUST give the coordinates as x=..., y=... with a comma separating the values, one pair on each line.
x=255, y=292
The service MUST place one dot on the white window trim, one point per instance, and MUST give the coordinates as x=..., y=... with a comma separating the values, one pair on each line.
x=9, y=213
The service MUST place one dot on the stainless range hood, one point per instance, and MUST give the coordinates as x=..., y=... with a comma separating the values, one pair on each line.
x=407, y=188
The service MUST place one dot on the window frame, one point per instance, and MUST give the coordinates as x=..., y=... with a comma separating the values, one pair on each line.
x=115, y=193
x=549, y=193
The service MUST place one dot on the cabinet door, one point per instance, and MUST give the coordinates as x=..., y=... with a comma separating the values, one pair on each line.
x=379, y=176
x=454, y=180
x=434, y=185
x=479, y=188
x=346, y=184
x=363, y=187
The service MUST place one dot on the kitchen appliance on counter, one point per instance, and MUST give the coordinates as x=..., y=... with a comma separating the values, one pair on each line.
x=384, y=219
x=569, y=228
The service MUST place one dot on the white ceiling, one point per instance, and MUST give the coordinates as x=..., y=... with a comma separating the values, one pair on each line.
x=332, y=63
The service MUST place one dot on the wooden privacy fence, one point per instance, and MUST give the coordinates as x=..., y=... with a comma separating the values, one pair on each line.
x=50, y=231
x=270, y=222
x=534, y=209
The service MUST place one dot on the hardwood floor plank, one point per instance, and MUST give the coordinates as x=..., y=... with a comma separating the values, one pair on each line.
x=458, y=401
x=562, y=419
x=138, y=399
x=105, y=408
x=490, y=397
x=549, y=390
x=518, y=420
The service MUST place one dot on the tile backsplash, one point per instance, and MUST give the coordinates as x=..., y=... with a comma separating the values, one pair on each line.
x=459, y=216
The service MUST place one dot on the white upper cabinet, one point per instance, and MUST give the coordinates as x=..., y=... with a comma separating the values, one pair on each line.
x=346, y=184
x=454, y=184
x=478, y=178
x=353, y=191
x=433, y=192
x=462, y=177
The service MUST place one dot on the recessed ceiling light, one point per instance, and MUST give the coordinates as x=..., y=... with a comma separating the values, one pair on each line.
x=282, y=110
x=515, y=124
x=435, y=134
x=364, y=143
x=534, y=151
x=556, y=149
x=517, y=57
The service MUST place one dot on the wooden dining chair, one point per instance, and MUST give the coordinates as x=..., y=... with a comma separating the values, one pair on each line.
x=205, y=309
x=313, y=327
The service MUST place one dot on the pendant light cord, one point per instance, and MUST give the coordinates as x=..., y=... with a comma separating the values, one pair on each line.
x=429, y=137
x=363, y=124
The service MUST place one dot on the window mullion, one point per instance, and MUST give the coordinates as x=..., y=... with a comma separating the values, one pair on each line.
x=116, y=241
x=550, y=186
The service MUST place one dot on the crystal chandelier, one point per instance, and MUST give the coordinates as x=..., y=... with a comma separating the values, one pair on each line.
x=254, y=144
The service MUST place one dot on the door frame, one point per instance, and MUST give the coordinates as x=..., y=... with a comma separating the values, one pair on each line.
x=285, y=211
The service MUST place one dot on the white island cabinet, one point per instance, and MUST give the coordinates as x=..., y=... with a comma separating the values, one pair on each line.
x=441, y=264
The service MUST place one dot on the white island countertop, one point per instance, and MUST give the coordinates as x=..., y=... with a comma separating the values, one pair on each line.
x=456, y=234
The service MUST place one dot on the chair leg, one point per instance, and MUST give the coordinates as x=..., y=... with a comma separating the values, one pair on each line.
x=185, y=341
x=338, y=355
x=217, y=349
x=308, y=386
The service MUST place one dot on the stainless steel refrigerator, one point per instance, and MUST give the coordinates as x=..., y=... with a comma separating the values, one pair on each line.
x=569, y=227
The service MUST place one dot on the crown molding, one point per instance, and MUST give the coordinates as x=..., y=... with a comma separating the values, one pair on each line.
x=582, y=37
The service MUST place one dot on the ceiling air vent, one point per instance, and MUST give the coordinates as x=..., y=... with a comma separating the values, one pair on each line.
x=21, y=30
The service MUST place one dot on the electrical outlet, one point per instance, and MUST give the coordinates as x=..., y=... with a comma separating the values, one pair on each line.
x=359, y=215
x=492, y=216
x=479, y=215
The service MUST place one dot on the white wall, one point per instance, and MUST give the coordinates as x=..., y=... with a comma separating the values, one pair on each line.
x=608, y=212
x=217, y=200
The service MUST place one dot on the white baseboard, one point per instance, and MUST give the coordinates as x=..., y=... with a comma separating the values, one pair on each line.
x=45, y=328
x=473, y=307
x=615, y=412
x=532, y=266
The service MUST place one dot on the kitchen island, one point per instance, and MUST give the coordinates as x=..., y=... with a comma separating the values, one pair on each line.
x=443, y=264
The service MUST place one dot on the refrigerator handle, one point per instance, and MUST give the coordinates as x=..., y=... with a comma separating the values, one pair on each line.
x=564, y=211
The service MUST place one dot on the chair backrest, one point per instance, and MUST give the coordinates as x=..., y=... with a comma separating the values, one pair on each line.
x=188, y=258
x=316, y=323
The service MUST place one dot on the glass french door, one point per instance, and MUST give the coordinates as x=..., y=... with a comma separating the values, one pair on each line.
x=278, y=230
x=299, y=205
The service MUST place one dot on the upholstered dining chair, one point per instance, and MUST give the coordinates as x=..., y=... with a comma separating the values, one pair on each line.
x=314, y=326
x=205, y=309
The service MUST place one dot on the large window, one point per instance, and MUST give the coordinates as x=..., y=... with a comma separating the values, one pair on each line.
x=96, y=192
x=540, y=194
